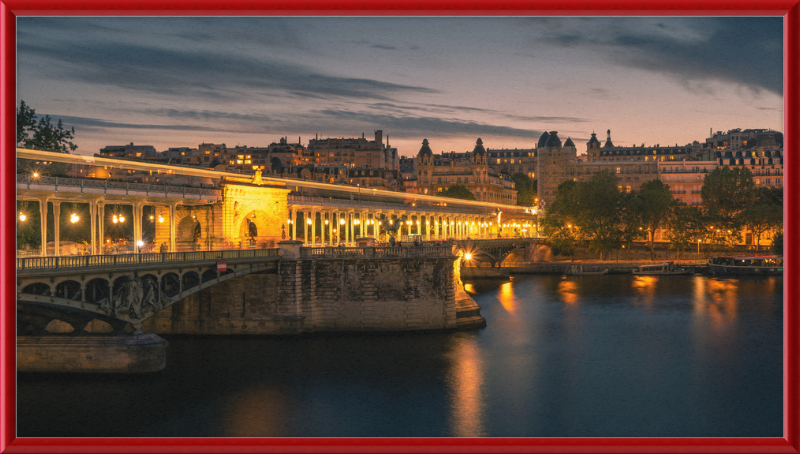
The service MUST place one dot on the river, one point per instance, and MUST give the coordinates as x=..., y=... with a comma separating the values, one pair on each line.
x=590, y=356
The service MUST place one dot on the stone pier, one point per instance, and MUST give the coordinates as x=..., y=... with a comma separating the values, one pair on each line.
x=324, y=293
x=98, y=354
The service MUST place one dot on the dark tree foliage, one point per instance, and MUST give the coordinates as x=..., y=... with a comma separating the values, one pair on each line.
x=653, y=205
x=42, y=134
x=727, y=192
x=766, y=213
x=526, y=189
x=458, y=191
x=777, y=243
x=686, y=226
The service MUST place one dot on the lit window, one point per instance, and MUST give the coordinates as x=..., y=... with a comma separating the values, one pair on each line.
x=208, y=151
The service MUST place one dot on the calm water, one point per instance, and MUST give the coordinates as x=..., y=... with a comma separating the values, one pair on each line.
x=592, y=356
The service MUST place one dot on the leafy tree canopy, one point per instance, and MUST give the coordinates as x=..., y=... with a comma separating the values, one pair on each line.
x=458, y=191
x=526, y=189
x=726, y=192
x=42, y=134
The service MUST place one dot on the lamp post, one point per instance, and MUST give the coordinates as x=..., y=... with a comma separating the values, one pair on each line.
x=698, y=249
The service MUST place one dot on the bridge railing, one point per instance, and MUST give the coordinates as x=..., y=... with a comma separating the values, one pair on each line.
x=375, y=252
x=106, y=185
x=86, y=261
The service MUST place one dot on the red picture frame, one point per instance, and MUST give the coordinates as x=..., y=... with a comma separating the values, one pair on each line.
x=789, y=9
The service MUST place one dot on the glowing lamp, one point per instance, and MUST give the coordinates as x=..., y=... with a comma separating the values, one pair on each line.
x=468, y=256
x=74, y=218
x=121, y=219
x=140, y=243
x=22, y=216
x=308, y=221
x=160, y=219
x=341, y=221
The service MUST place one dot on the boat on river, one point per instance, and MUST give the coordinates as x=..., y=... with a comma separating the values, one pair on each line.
x=659, y=269
x=763, y=265
x=578, y=270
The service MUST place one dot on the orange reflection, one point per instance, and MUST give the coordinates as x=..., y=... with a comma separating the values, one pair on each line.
x=568, y=291
x=469, y=288
x=255, y=412
x=646, y=288
x=507, y=297
x=721, y=304
x=466, y=380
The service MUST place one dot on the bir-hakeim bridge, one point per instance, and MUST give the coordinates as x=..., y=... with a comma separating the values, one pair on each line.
x=228, y=253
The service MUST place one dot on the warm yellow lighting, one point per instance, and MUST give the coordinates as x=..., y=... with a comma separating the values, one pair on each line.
x=22, y=216
x=308, y=221
x=326, y=222
x=121, y=219
x=468, y=256
x=152, y=217
x=74, y=218
x=140, y=243
x=341, y=221
x=161, y=219
x=35, y=175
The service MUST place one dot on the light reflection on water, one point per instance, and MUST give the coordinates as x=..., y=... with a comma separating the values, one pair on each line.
x=594, y=356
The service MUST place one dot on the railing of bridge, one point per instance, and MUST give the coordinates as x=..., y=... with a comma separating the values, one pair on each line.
x=495, y=241
x=358, y=204
x=88, y=261
x=105, y=184
x=375, y=252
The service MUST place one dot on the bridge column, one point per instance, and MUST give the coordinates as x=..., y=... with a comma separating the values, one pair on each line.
x=138, y=211
x=101, y=223
x=92, y=228
x=172, y=227
x=56, y=227
x=293, y=224
x=306, y=224
x=43, y=223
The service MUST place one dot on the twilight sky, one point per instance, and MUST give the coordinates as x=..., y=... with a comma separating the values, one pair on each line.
x=171, y=82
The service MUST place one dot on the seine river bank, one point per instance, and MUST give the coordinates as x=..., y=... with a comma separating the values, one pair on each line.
x=587, y=356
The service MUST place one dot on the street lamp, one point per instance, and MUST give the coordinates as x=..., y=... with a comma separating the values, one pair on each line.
x=139, y=244
x=22, y=216
x=698, y=249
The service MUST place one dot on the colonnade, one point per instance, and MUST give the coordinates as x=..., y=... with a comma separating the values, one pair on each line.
x=97, y=220
x=321, y=226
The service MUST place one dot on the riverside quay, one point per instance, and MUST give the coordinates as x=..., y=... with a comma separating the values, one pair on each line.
x=273, y=256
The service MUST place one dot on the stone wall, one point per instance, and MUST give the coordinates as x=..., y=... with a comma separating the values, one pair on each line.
x=315, y=295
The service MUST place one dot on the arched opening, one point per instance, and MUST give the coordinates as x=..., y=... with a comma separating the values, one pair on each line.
x=170, y=284
x=69, y=289
x=189, y=235
x=97, y=292
x=190, y=279
x=254, y=230
x=209, y=275
x=37, y=289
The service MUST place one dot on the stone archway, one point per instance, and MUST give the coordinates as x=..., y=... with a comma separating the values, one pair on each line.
x=186, y=235
x=253, y=227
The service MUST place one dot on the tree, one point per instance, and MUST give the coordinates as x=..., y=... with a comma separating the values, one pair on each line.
x=631, y=227
x=559, y=223
x=686, y=226
x=42, y=135
x=458, y=191
x=727, y=192
x=526, y=189
x=599, y=211
x=653, y=205
x=762, y=215
x=777, y=243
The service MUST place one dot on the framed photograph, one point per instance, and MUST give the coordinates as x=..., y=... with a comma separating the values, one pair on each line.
x=611, y=364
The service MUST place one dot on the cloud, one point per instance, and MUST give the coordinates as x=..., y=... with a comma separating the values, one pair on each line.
x=103, y=124
x=408, y=126
x=384, y=47
x=203, y=73
x=743, y=50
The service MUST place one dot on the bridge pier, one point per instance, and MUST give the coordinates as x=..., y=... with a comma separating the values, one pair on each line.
x=137, y=353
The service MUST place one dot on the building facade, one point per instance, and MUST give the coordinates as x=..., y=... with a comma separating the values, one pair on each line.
x=436, y=173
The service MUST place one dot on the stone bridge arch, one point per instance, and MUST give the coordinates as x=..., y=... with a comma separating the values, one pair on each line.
x=257, y=221
x=119, y=300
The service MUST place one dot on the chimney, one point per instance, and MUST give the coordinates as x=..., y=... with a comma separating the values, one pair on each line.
x=379, y=136
x=362, y=135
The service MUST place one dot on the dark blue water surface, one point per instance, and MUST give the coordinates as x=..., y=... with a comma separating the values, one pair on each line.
x=591, y=356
